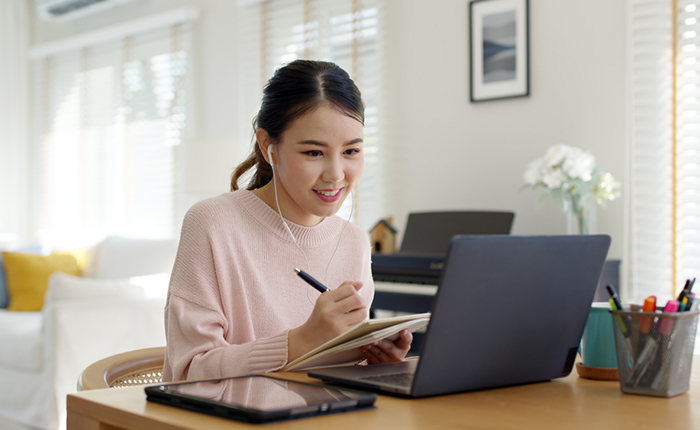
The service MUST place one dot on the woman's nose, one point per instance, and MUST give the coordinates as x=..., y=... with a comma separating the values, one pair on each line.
x=333, y=171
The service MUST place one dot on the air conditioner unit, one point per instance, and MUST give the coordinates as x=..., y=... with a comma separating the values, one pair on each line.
x=64, y=10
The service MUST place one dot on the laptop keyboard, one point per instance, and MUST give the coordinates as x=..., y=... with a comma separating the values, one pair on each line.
x=402, y=379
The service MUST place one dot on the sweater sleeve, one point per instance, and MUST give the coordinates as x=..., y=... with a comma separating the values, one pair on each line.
x=196, y=348
x=195, y=323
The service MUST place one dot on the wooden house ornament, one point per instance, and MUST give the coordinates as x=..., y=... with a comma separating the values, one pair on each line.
x=383, y=237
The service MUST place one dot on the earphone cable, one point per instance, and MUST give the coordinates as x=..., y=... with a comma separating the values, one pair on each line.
x=279, y=210
x=286, y=226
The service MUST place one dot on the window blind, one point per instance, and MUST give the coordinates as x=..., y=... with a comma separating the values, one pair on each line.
x=664, y=46
x=346, y=32
x=110, y=118
x=687, y=142
x=649, y=153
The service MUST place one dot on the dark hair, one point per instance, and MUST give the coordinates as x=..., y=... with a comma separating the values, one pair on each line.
x=296, y=89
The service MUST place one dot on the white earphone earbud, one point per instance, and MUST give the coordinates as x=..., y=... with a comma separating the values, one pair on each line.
x=269, y=154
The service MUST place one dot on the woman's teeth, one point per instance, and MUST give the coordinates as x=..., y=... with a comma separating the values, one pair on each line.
x=329, y=193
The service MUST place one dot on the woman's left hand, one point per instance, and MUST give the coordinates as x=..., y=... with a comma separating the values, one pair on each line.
x=386, y=351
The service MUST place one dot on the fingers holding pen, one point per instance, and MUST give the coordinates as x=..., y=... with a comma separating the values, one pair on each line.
x=346, y=295
x=343, y=292
x=335, y=312
x=342, y=307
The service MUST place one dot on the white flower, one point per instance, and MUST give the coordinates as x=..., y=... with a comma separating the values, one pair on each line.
x=554, y=178
x=556, y=154
x=579, y=165
x=606, y=188
x=572, y=177
x=533, y=173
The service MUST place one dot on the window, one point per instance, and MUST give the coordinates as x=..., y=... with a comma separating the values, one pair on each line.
x=664, y=150
x=111, y=115
x=687, y=128
x=346, y=32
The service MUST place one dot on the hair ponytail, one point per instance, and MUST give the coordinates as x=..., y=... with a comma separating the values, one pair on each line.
x=248, y=164
x=263, y=171
x=294, y=90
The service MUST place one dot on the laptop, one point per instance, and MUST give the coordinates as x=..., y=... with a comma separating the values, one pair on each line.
x=509, y=310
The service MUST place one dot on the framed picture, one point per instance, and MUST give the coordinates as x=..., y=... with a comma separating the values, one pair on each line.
x=499, y=53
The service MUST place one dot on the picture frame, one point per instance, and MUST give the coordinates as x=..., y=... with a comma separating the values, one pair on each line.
x=499, y=54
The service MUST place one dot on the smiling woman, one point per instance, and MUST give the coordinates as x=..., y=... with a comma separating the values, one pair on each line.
x=317, y=164
x=235, y=304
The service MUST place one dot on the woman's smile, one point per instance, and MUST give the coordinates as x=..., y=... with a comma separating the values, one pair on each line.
x=329, y=196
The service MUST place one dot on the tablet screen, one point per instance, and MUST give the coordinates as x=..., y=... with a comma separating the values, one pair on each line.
x=259, y=397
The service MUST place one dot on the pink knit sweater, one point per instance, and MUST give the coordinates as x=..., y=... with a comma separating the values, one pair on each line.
x=233, y=293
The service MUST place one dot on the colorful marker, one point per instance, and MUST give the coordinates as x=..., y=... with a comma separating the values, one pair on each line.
x=649, y=306
x=667, y=323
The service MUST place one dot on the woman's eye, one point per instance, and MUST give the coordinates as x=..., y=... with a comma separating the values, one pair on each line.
x=313, y=153
x=352, y=151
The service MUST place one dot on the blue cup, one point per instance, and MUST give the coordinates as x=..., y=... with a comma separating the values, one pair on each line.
x=598, y=342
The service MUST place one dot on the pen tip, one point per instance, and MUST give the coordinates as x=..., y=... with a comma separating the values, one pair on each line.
x=297, y=270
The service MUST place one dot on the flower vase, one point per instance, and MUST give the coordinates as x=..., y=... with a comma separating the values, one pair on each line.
x=578, y=223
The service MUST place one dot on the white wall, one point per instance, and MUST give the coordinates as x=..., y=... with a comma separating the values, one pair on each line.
x=14, y=122
x=471, y=155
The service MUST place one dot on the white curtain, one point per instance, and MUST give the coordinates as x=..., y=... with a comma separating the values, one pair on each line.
x=110, y=114
x=14, y=120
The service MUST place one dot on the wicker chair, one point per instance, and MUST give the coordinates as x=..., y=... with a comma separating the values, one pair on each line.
x=139, y=367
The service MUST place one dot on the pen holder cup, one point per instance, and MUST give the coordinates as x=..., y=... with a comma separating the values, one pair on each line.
x=654, y=351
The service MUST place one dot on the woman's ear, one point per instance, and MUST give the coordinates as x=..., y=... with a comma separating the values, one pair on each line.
x=264, y=143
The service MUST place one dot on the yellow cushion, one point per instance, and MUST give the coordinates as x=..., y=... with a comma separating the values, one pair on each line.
x=80, y=255
x=28, y=277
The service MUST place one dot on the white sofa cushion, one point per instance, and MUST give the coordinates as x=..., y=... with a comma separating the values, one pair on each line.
x=20, y=340
x=63, y=286
x=21, y=333
x=120, y=257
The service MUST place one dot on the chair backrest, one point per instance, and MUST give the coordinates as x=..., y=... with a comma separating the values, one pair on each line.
x=431, y=232
x=139, y=367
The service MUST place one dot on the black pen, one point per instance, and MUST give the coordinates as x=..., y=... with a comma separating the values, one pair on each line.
x=623, y=322
x=311, y=281
x=684, y=291
x=614, y=297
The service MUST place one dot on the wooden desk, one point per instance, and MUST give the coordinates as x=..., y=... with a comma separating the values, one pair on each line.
x=570, y=403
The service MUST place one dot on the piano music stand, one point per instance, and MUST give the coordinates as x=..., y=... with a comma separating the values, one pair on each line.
x=431, y=232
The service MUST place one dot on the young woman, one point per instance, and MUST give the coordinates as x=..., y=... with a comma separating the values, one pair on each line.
x=235, y=305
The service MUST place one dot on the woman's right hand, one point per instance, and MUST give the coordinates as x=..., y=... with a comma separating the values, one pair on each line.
x=335, y=312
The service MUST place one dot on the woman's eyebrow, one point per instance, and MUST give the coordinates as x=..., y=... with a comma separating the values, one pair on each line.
x=319, y=143
x=311, y=142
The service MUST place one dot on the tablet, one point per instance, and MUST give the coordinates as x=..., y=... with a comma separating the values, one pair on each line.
x=259, y=398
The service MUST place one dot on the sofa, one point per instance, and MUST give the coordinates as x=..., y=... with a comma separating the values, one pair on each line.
x=115, y=306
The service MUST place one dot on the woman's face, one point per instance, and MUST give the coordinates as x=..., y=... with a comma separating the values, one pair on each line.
x=318, y=161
